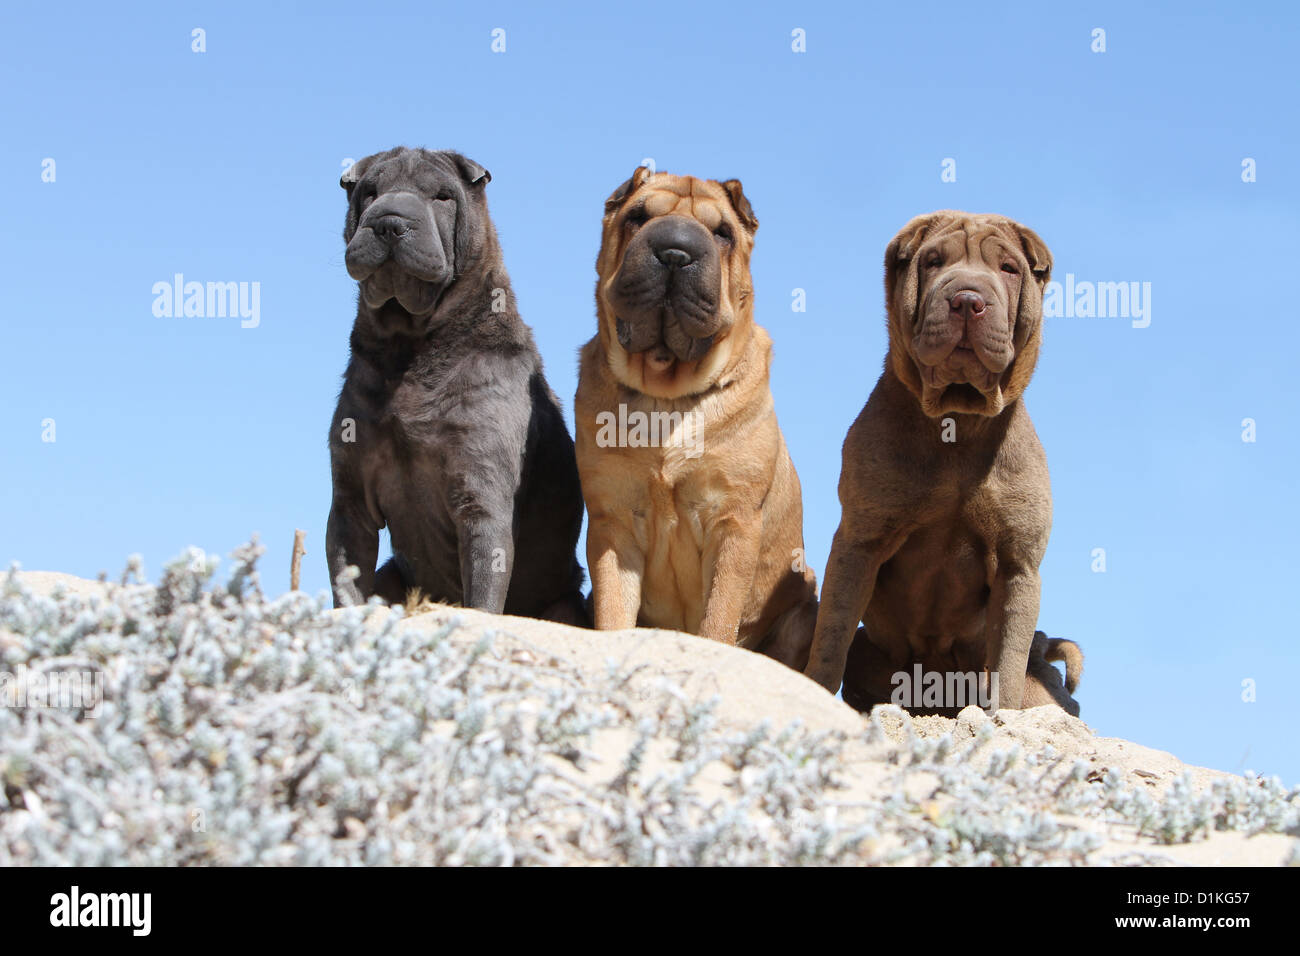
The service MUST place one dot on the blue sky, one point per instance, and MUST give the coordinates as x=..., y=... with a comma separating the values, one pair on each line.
x=223, y=166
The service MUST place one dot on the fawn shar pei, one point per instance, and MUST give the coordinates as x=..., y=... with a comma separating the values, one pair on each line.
x=946, y=506
x=446, y=431
x=693, y=502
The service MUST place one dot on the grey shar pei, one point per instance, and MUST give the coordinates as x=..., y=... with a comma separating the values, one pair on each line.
x=446, y=431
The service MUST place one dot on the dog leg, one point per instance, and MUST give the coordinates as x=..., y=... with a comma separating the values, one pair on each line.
x=487, y=555
x=730, y=559
x=850, y=579
x=1013, y=607
x=791, y=637
x=868, y=674
x=351, y=539
x=482, y=490
x=617, y=567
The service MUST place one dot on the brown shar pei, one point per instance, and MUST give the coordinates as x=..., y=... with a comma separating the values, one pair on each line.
x=946, y=505
x=694, y=507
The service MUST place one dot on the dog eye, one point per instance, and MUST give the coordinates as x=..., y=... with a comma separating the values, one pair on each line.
x=723, y=232
x=1010, y=269
x=444, y=197
x=636, y=217
x=933, y=262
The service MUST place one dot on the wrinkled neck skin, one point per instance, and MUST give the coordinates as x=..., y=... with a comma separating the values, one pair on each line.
x=969, y=425
x=733, y=355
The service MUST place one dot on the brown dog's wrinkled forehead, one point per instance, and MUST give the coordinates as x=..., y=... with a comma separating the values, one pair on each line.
x=949, y=227
x=663, y=194
x=973, y=226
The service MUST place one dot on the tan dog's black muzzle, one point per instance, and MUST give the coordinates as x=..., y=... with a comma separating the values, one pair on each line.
x=678, y=241
x=667, y=292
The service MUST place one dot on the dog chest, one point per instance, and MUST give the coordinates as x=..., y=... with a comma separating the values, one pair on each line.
x=937, y=584
x=676, y=509
x=671, y=522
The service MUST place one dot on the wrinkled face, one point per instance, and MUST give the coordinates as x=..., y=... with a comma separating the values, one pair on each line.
x=965, y=305
x=673, y=278
x=413, y=215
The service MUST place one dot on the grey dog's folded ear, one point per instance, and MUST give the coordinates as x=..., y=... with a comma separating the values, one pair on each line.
x=474, y=174
x=352, y=175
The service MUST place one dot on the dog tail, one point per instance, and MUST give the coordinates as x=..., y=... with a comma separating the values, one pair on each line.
x=1069, y=654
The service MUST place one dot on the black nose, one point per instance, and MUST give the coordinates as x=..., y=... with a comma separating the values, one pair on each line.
x=673, y=257
x=390, y=228
x=677, y=241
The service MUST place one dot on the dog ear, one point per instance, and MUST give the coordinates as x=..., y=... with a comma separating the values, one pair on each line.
x=1036, y=251
x=1027, y=333
x=474, y=174
x=902, y=289
x=631, y=185
x=903, y=246
x=738, y=202
x=899, y=255
x=352, y=175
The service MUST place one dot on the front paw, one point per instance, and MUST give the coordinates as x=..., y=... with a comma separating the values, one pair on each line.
x=722, y=633
x=828, y=675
